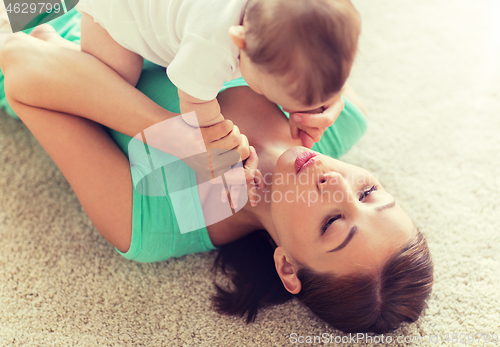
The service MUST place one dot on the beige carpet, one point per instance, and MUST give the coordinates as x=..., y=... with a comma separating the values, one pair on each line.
x=429, y=73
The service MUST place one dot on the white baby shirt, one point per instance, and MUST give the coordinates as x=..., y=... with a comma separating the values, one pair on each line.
x=189, y=37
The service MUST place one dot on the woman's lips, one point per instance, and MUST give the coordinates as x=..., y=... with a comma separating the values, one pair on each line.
x=304, y=160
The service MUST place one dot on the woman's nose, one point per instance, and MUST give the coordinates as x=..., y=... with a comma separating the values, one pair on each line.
x=335, y=183
x=330, y=180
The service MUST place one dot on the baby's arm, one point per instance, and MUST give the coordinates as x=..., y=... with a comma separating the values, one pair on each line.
x=207, y=112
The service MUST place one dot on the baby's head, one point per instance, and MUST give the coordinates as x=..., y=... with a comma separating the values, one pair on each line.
x=298, y=53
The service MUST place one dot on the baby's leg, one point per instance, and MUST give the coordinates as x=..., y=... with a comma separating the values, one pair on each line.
x=96, y=41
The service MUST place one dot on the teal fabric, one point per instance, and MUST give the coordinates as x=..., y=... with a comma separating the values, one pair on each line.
x=155, y=230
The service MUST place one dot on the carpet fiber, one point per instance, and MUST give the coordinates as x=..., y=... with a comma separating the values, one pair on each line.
x=429, y=74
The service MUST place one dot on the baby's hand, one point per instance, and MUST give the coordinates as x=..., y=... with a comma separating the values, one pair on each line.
x=310, y=127
x=207, y=112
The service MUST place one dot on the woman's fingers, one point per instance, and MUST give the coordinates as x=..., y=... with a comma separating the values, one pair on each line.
x=258, y=187
x=254, y=181
x=233, y=140
x=244, y=148
x=235, y=195
x=259, y=180
x=216, y=132
x=251, y=164
x=253, y=176
x=225, y=138
x=226, y=145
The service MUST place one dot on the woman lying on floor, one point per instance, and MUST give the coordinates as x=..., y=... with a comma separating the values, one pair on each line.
x=354, y=258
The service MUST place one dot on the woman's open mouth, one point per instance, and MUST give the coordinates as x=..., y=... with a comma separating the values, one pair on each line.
x=304, y=160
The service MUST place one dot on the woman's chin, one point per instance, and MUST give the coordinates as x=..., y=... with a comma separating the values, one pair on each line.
x=286, y=161
x=292, y=153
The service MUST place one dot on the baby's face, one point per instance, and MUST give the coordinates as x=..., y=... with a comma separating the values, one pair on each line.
x=275, y=89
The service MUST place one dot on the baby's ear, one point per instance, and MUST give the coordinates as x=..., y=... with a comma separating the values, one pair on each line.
x=237, y=33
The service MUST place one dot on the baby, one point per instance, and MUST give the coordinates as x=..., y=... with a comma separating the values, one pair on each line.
x=297, y=53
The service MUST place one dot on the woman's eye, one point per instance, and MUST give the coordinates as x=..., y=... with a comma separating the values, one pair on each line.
x=367, y=192
x=328, y=221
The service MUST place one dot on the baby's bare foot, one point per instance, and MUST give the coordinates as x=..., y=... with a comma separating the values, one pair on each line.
x=45, y=32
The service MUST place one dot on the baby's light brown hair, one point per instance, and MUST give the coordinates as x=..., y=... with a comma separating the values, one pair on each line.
x=311, y=43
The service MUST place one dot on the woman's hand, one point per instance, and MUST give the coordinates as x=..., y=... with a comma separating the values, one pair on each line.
x=223, y=141
x=226, y=137
x=210, y=151
x=309, y=127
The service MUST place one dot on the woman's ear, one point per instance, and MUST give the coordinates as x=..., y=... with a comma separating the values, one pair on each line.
x=237, y=33
x=286, y=271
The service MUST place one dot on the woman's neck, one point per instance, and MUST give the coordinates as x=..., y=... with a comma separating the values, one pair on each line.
x=268, y=131
x=268, y=156
x=250, y=219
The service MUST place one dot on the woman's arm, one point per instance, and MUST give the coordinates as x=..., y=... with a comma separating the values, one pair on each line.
x=58, y=76
x=45, y=75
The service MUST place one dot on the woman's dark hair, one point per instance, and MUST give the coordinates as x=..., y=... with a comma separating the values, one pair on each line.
x=357, y=303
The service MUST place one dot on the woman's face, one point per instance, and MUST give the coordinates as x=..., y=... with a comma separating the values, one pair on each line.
x=332, y=216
